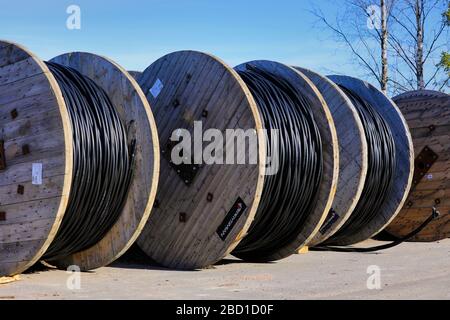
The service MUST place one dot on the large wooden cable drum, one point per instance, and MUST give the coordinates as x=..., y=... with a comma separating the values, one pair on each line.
x=135, y=113
x=202, y=210
x=404, y=161
x=352, y=154
x=37, y=158
x=33, y=116
x=428, y=116
x=330, y=157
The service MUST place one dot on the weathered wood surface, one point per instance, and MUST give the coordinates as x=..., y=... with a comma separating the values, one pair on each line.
x=428, y=116
x=182, y=231
x=34, y=126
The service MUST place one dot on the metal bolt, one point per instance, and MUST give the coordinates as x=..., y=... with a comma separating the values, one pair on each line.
x=20, y=189
x=14, y=114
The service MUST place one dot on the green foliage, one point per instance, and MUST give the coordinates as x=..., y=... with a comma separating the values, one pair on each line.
x=445, y=62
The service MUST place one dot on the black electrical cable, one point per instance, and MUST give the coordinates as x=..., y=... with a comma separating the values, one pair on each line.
x=102, y=164
x=434, y=215
x=290, y=194
x=380, y=171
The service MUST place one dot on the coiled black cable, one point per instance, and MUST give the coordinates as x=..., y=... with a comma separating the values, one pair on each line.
x=380, y=171
x=433, y=216
x=102, y=164
x=290, y=195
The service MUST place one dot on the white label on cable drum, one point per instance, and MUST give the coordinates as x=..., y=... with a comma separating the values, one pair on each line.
x=36, y=174
x=156, y=89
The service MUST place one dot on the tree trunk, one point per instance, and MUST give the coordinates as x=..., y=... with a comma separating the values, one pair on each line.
x=384, y=40
x=419, y=49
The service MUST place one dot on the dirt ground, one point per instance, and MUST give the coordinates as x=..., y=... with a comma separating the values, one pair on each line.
x=409, y=271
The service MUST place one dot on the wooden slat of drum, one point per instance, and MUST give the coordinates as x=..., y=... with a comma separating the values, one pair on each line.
x=28, y=95
x=199, y=82
x=29, y=106
x=40, y=124
x=10, y=53
x=21, y=252
x=50, y=188
x=25, y=231
x=24, y=88
x=323, y=118
x=19, y=71
x=423, y=109
x=29, y=211
x=352, y=151
x=136, y=115
x=405, y=157
x=40, y=147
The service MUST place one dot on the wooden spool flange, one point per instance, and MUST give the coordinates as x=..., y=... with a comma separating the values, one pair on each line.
x=352, y=154
x=404, y=158
x=428, y=116
x=195, y=202
x=134, y=111
x=35, y=129
x=324, y=120
x=37, y=136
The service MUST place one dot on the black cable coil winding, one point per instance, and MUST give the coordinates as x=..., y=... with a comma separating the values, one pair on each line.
x=102, y=164
x=380, y=171
x=290, y=195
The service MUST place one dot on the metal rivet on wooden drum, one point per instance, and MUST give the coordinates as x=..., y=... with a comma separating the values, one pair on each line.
x=324, y=120
x=203, y=210
x=352, y=154
x=428, y=116
x=404, y=157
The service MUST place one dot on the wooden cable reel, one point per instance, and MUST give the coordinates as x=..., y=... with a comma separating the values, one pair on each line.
x=352, y=154
x=404, y=158
x=428, y=116
x=202, y=211
x=323, y=118
x=36, y=154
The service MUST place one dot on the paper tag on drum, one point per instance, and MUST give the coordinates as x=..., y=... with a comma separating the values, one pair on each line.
x=36, y=174
x=156, y=89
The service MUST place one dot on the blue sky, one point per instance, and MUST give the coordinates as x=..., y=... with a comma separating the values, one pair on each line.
x=135, y=33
